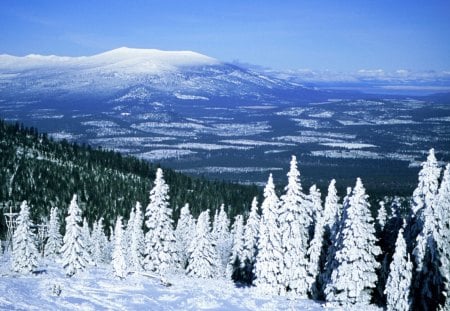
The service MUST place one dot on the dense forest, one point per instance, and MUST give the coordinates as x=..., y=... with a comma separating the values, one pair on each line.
x=47, y=173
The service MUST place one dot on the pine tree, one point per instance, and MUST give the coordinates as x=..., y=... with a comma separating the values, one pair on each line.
x=269, y=260
x=99, y=244
x=160, y=239
x=24, y=254
x=222, y=239
x=118, y=255
x=316, y=251
x=86, y=236
x=427, y=188
x=184, y=233
x=203, y=259
x=54, y=240
x=442, y=232
x=137, y=242
x=294, y=221
x=73, y=252
x=251, y=237
x=399, y=281
x=382, y=216
x=128, y=231
x=332, y=210
x=236, y=263
x=354, y=278
x=314, y=208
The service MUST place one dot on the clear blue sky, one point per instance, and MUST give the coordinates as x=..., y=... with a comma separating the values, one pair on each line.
x=342, y=35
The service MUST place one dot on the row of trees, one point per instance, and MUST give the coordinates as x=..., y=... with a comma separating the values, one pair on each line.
x=295, y=245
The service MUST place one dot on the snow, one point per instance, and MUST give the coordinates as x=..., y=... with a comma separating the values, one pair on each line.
x=98, y=289
x=124, y=60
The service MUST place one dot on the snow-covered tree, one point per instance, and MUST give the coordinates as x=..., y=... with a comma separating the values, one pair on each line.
x=442, y=232
x=86, y=235
x=137, y=240
x=382, y=216
x=24, y=254
x=203, y=260
x=427, y=187
x=184, y=233
x=399, y=281
x=128, y=231
x=294, y=221
x=316, y=253
x=236, y=263
x=74, y=254
x=118, y=255
x=354, y=278
x=251, y=233
x=222, y=239
x=332, y=210
x=314, y=208
x=160, y=239
x=54, y=240
x=99, y=244
x=269, y=260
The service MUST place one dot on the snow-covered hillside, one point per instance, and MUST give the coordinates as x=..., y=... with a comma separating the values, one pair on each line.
x=122, y=68
x=98, y=289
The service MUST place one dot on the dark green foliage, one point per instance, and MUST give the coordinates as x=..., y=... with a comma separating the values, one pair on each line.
x=46, y=173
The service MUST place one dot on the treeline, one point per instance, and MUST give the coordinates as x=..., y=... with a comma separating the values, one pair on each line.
x=46, y=173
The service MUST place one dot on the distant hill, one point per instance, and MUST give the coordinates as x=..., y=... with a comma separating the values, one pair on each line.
x=47, y=173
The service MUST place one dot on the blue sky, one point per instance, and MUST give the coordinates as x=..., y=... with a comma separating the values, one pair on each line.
x=319, y=35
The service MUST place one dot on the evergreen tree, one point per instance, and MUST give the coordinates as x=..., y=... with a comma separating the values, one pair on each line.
x=203, y=259
x=355, y=276
x=316, y=252
x=160, y=239
x=137, y=242
x=294, y=221
x=128, y=231
x=314, y=208
x=332, y=210
x=184, y=233
x=427, y=187
x=54, y=240
x=222, y=239
x=86, y=236
x=399, y=281
x=442, y=232
x=24, y=254
x=236, y=263
x=118, y=255
x=251, y=237
x=382, y=216
x=269, y=260
x=73, y=252
x=99, y=244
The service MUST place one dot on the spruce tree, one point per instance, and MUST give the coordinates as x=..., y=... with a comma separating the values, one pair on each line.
x=270, y=257
x=160, y=239
x=382, y=216
x=251, y=237
x=86, y=235
x=137, y=242
x=73, y=252
x=24, y=254
x=222, y=239
x=236, y=263
x=316, y=252
x=184, y=233
x=294, y=221
x=99, y=244
x=399, y=281
x=332, y=209
x=54, y=240
x=118, y=255
x=203, y=260
x=354, y=278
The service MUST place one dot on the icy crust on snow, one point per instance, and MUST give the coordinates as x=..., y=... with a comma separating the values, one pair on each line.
x=98, y=289
x=125, y=60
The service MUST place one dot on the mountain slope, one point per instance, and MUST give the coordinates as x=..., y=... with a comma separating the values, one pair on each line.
x=48, y=173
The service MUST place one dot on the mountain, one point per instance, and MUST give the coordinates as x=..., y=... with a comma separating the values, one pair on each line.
x=110, y=72
x=204, y=117
x=47, y=173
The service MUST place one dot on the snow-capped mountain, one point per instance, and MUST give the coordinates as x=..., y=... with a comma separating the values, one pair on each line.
x=174, y=71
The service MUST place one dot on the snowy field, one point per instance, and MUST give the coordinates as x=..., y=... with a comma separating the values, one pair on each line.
x=98, y=289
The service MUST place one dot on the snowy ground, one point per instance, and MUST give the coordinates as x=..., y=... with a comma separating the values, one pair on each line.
x=99, y=290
